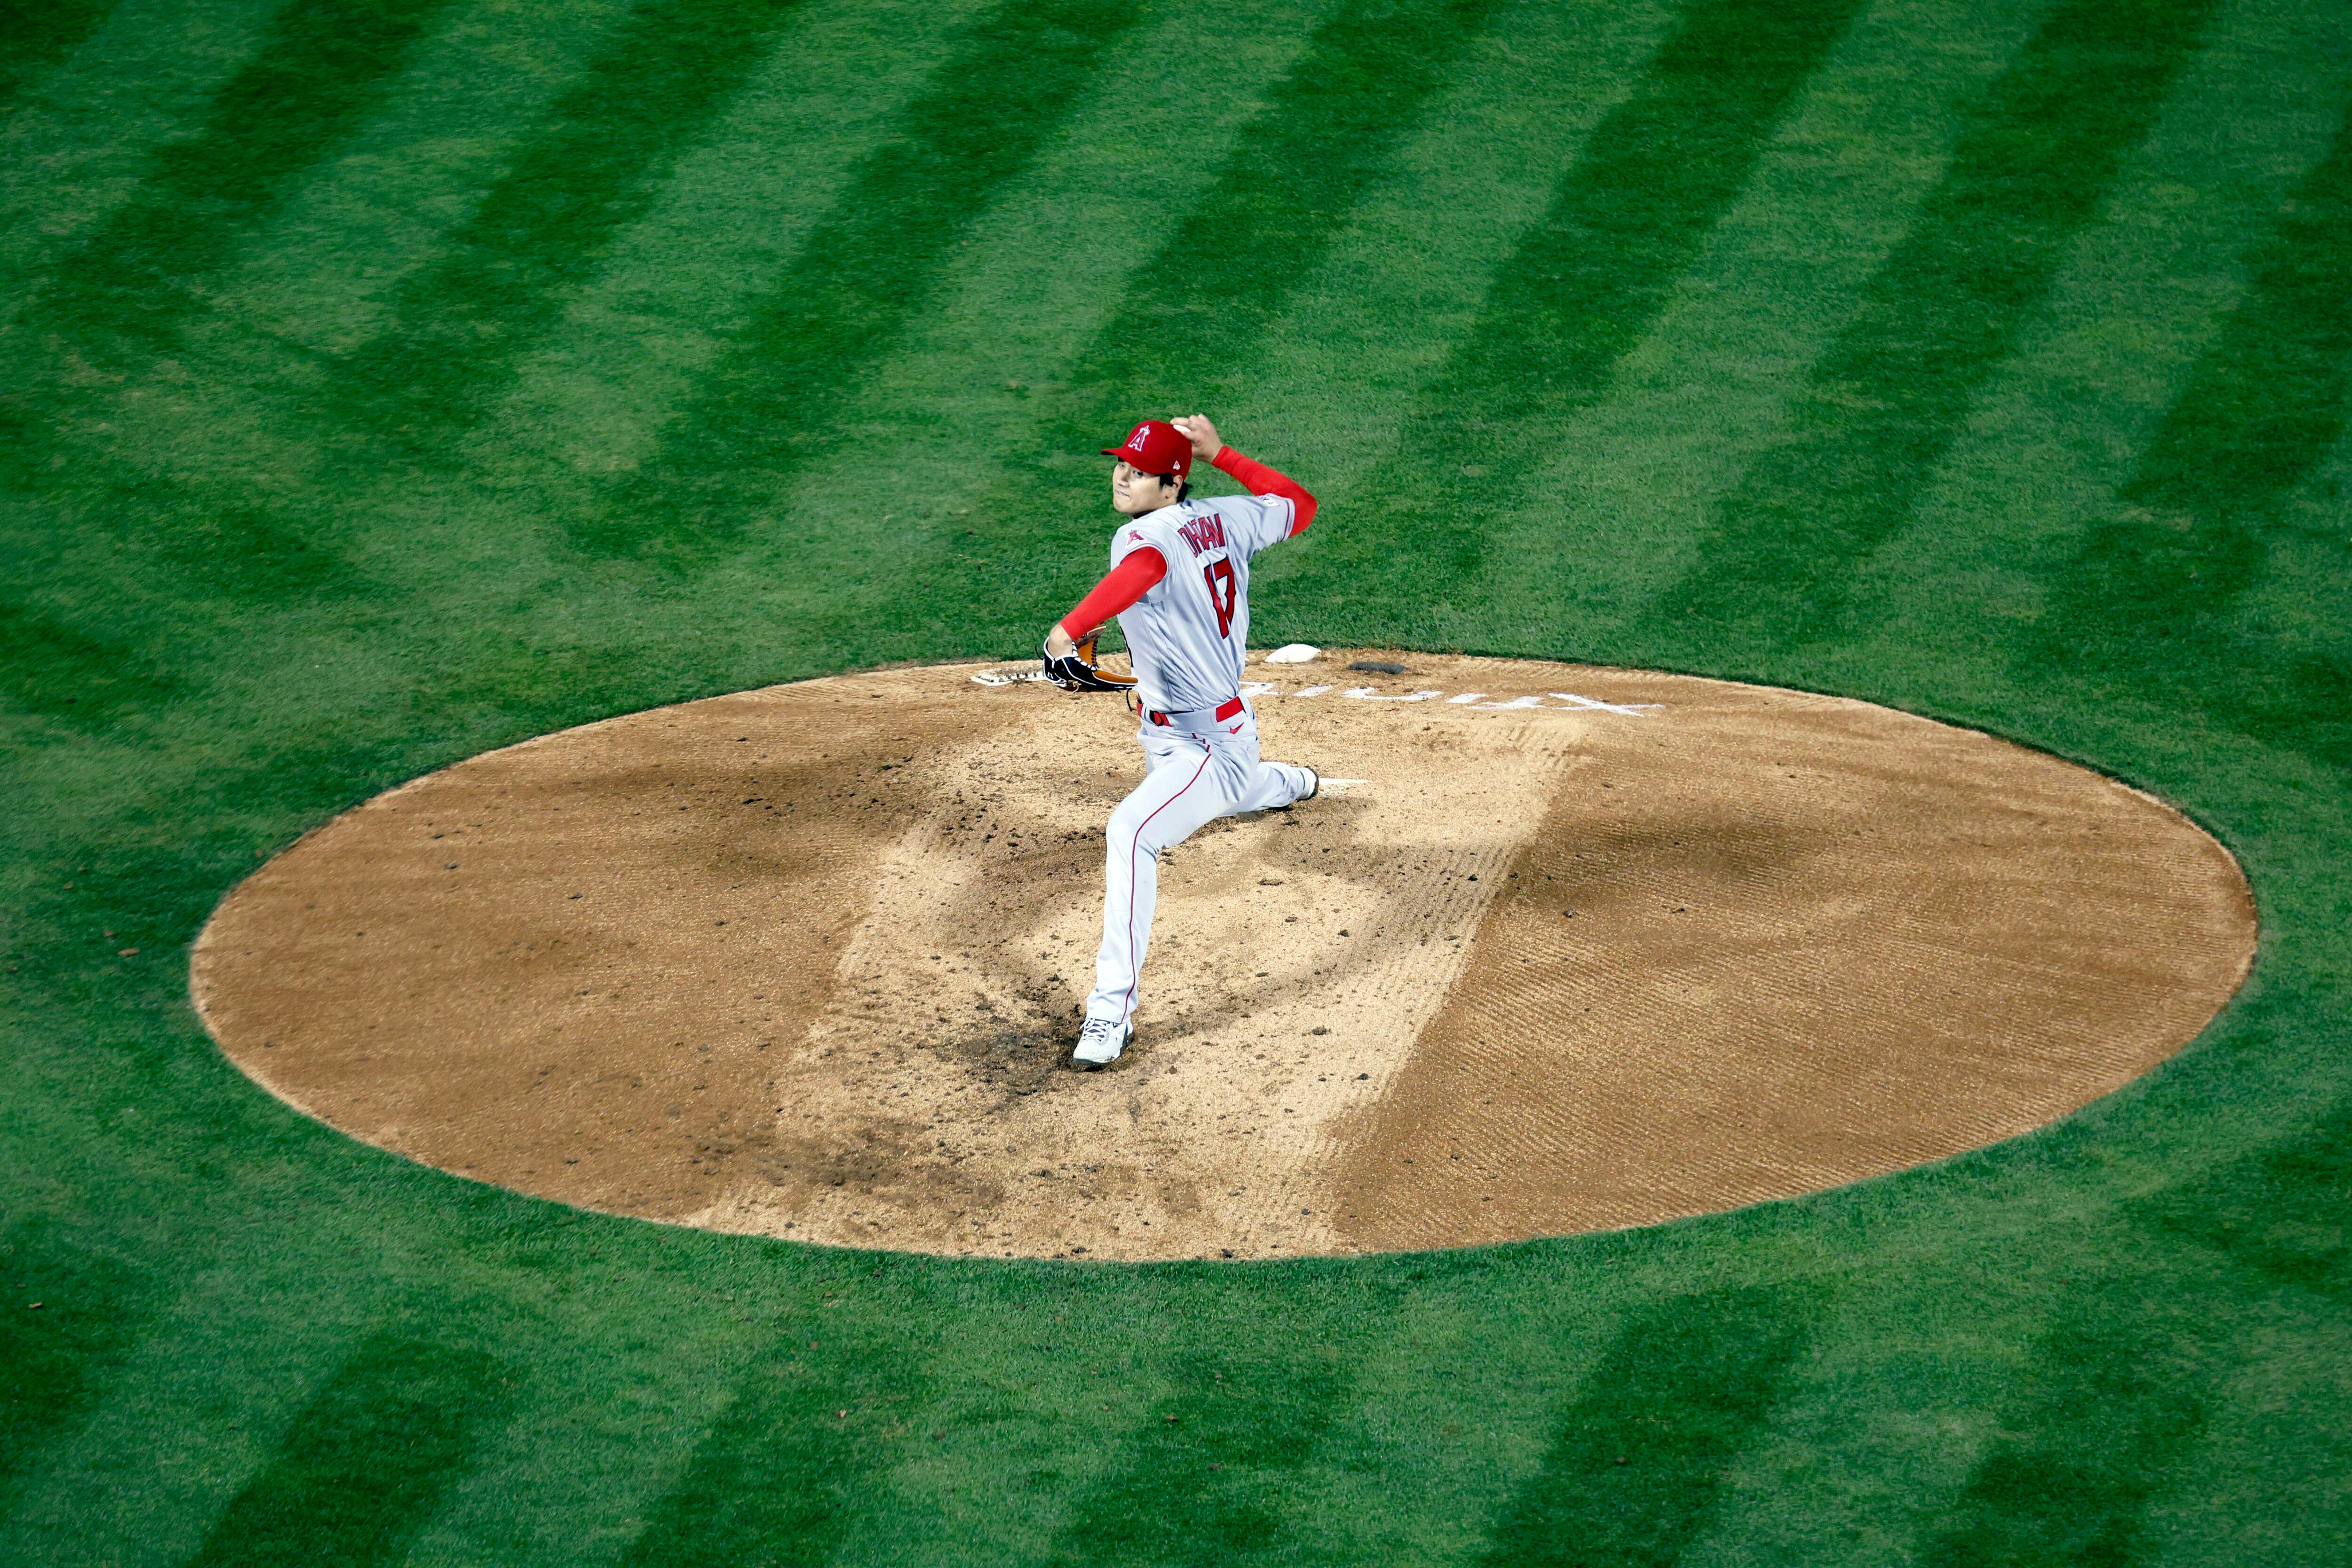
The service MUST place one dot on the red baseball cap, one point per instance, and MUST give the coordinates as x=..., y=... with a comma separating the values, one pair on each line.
x=1155, y=447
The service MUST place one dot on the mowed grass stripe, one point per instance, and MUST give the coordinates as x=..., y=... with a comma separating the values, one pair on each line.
x=1579, y=288
x=363, y=1466
x=1047, y=1377
x=198, y=468
x=2155, y=587
x=54, y=668
x=54, y=1361
x=1612, y=513
x=1013, y=309
x=2276, y=1212
x=195, y=1411
x=2112, y=1398
x=610, y=141
x=1457, y=1378
x=1191, y=316
x=1636, y=1472
x=2141, y=299
x=174, y=477
x=1207, y=1476
x=36, y=33
x=1322, y=385
x=1630, y=213
x=859, y=275
x=225, y=496
x=322, y=68
x=796, y=1461
x=119, y=300
x=593, y=397
x=321, y=279
x=79, y=140
x=1889, y=398
x=131, y=558
x=2276, y=1440
x=1330, y=135
x=1329, y=382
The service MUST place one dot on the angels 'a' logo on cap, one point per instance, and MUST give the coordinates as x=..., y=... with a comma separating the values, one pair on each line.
x=1155, y=447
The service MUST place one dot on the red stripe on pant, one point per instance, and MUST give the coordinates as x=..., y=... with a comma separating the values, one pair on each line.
x=1127, y=1001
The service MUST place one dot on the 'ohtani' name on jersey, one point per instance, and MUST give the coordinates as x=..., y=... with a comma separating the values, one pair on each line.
x=1204, y=533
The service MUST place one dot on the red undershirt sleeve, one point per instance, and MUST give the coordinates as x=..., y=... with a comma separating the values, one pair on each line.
x=1261, y=480
x=1126, y=583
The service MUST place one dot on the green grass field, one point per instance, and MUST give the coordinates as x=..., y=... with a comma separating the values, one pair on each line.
x=387, y=379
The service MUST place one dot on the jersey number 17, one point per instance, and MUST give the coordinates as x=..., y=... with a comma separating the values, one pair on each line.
x=1222, y=601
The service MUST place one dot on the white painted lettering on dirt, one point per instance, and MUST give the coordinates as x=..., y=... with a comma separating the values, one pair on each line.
x=1631, y=709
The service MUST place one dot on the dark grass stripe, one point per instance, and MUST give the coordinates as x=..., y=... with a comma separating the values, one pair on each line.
x=2281, y=1214
x=52, y=667
x=1190, y=317
x=209, y=536
x=208, y=540
x=863, y=272
x=2113, y=1399
x=53, y=1361
x=1891, y=393
x=1191, y=314
x=150, y=889
x=122, y=296
x=323, y=65
x=362, y=1469
x=2268, y=398
x=2300, y=704
x=1583, y=287
x=1634, y=1476
x=461, y=326
x=796, y=1461
x=2155, y=589
x=1209, y=1478
x=36, y=33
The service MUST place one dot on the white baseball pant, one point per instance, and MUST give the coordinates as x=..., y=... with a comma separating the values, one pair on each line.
x=1200, y=771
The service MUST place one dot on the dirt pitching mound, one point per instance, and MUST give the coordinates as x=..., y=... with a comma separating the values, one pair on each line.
x=1585, y=948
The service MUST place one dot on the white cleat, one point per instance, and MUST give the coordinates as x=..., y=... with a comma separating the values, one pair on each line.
x=1100, y=1042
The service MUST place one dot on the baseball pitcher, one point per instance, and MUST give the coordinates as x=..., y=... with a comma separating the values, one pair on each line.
x=1178, y=584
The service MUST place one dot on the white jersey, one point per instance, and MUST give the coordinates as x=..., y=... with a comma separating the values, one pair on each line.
x=1186, y=637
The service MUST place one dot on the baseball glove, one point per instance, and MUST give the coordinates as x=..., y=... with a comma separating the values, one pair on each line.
x=1076, y=671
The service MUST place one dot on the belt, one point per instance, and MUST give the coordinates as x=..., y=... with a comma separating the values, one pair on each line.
x=1190, y=718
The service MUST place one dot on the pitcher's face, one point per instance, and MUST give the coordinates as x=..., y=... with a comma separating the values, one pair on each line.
x=1134, y=492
